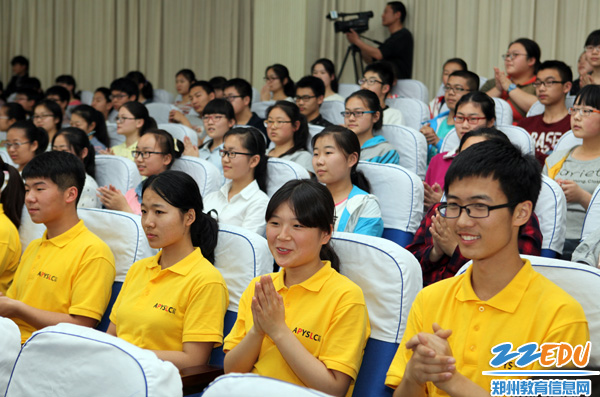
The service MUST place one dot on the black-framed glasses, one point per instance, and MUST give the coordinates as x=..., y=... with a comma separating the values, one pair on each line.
x=476, y=210
x=276, y=122
x=455, y=89
x=231, y=154
x=144, y=154
x=549, y=83
x=370, y=81
x=17, y=145
x=357, y=113
x=304, y=98
x=511, y=56
x=231, y=98
x=120, y=119
x=42, y=116
x=118, y=96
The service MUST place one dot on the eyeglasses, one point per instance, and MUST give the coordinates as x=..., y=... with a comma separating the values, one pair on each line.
x=304, y=98
x=357, y=114
x=582, y=111
x=17, y=145
x=276, y=122
x=42, y=116
x=231, y=98
x=473, y=120
x=591, y=48
x=549, y=84
x=145, y=155
x=477, y=210
x=455, y=89
x=267, y=78
x=511, y=56
x=370, y=81
x=231, y=154
x=123, y=119
x=118, y=96
x=215, y=118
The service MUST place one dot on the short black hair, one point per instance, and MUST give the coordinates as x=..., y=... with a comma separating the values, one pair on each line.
x=398, y=6
x=533, y=50
x=314, y=83
x=15, y=111
x=565, y=72
x=20, y=60
x=472, y=78
x=61, y=92
x=458, y=61
x=62, y=168
x=243, y=88
x=205, y=85
x=589, y=96
x=384, y=70
x=30, y=93
x=593, y=38
x=518, y=174
x=125, y=85
x=218, y=82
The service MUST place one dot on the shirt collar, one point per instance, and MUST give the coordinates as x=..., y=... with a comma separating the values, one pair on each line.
x=246, y=192
x=63, y=239
x=506, y=300
x=183, y=267
x=314, y=283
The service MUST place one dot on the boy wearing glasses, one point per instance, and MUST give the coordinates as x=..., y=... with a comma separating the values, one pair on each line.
x=67, y=275
x=491, y=190
x=121, y=91
x=239, y=93
x=379, y=78
x=310, y=93
x=553, y=83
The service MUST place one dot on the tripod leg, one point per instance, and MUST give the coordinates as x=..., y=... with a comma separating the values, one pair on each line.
x=348, y=51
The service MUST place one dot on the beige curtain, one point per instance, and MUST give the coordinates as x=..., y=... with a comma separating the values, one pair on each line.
x=99, y=40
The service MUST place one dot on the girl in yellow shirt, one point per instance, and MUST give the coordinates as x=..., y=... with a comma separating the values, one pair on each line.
x=11, y=205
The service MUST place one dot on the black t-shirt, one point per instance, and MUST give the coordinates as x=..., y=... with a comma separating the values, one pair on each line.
x=320, y=121
x=259, y=123
x=398, y=49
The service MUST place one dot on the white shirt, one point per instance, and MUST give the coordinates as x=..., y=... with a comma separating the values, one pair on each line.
x=246, y=209
x=88, y=198
x=335, y=97
x=393, y=116
x=301, y=157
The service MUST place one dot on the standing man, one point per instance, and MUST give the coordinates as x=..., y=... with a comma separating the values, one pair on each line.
x=397, y=49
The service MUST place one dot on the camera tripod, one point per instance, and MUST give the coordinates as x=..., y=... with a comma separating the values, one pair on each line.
x=354, y=50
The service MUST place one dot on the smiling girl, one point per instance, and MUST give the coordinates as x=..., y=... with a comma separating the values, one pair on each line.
x=306, y=324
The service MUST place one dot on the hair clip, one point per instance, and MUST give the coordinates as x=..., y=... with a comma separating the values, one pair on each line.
x=175, y=144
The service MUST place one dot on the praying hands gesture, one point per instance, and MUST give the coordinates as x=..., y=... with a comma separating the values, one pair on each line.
x=268, y=310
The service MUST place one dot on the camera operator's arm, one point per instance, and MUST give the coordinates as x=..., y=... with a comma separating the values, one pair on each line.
x=369, y=53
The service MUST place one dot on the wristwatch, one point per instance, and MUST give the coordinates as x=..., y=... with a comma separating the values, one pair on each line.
x=511, y=87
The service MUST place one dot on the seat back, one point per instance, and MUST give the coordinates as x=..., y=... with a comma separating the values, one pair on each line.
x=331, y=111
x=400, y=194
x=6, y=157
x=519, y=137
x=260, y=108
x=577, y=280
x=591, y=221
x=410, y=88
x=504, y=113
x=96, y=364
x=240, y=256
x=567, y=141
x=279, y=171
x=538, y=108
x=312, y=131
x=10, y=345
x=390, y=278
x=415, y=112
x=180, y=131
x=346, y=90
x=86, y=97
x=551, y=210
x=410, y=144
x=115, y=139
x=207, y=176
x=255, y=95
x=253, y=385
x=160, y=111
x=163, y=96
x=118, y=171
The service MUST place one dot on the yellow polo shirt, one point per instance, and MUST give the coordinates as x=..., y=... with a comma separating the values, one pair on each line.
x=72, y=273
x=10, y=251
x=530, y=308
x=124, y=151
x=328, y=315
x=160, y=309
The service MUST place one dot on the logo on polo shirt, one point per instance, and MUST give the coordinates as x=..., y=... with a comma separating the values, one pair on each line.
x=47, y=276
x=164, y=308
x=307, y=334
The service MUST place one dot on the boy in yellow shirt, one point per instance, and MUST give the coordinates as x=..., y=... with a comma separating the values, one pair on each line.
x=491, y=190
x=66, y=276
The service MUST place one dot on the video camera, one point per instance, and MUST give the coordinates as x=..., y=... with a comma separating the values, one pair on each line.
x=360, y=24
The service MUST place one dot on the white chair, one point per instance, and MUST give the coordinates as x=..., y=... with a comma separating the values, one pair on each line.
x=390, y=278
x=312, y=131
x=163, y=96
x=86, y=97
x=179, y=131
x=410, y=88
x=253, y=385
x=255, y=95
x=260, y=108
x=160, y=111
x=10, y=345
x=567, y=141
x=207, y=176
x=279, y=171
x=346, y=90
x=578, y=280
x=591, y=221
x=400, y=194
x=519, y=137
x=118, y=171
x=410, y=144
x=6, y=157
x=331, y=111
x=538, y=108
x=551, y=210
x=96, y=364
x=115, y=139
x=504, y=113
x=415, y=112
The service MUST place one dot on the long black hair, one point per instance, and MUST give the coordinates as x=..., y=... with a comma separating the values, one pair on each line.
x=78, y=141
x=13, y=195
x=293, y=112
x=91, y=115
x=181, y=191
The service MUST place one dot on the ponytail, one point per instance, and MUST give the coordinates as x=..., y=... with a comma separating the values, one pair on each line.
x=205, y=232
x=360, y=180
x=13, y=195
x=328, y=254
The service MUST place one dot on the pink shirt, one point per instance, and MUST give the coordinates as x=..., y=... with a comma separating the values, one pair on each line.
x=436, y=171
x=132, y=199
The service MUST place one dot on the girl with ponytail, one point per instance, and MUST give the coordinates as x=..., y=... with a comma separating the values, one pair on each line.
x=336, y=152
x=328, y=324
x=11, y=205
x=174, y=303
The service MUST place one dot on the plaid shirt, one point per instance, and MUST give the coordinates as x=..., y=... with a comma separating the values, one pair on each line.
x=530, y=243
